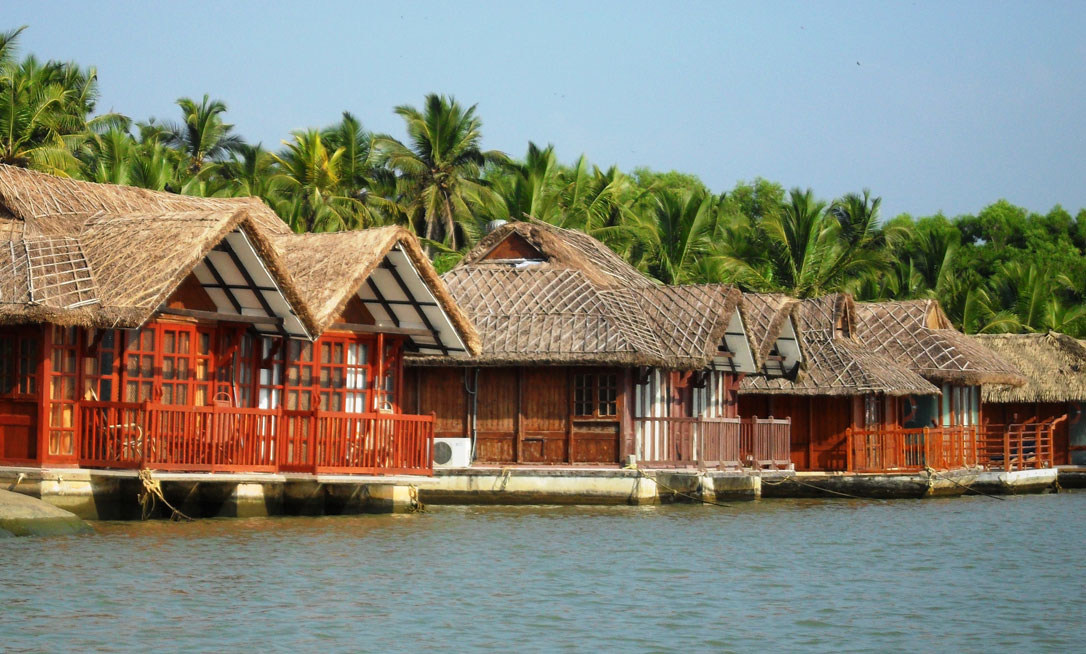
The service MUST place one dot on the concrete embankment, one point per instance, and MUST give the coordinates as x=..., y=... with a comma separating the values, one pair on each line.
x=21, y=515
x=116, y=494
x=527, y=485
x=1072, y=476
x=1016, y=482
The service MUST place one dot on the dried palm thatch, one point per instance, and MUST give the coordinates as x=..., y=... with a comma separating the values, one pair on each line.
x=836, y=362
x=116, y=270
x=767, y=314
x=919, y=335
x=77, y=253
x=579, y=303
x=330, y=268
x=565, y=248
x=1053, y=364
x=58, y=206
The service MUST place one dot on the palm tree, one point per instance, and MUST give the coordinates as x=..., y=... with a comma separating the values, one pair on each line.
x=439, y=173
x=44, y=110
x=202, y=136
x=682, y=224
x=311, y=179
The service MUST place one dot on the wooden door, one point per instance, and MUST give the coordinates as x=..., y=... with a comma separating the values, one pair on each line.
x=496, y=411
x=20, y=367
x=680, y=395
x=597, y=416
x=544, y=415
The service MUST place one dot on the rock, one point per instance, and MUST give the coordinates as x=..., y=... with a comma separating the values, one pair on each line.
x=22, y=515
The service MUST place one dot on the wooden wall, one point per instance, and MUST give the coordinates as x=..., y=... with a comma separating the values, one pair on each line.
x=524, y=415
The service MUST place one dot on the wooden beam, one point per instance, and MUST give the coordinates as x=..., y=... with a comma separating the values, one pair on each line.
x=418, y=309
x=384, y=303
x=252, y=283
x=222, y=283
x=222, y=317
x=374, y=329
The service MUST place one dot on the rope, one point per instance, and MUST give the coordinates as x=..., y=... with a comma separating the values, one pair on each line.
x=824, y=490
x=152, y=489
x=931, y=471
x=641, y=473
x=413, y=494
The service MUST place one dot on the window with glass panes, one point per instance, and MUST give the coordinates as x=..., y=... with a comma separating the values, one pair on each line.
x=20, y=354
x=595, y=394
x=139, y=365
x=62, y=385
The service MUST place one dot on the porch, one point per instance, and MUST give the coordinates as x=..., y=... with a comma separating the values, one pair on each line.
x=713, y=442
x=996, y=447
x=174, y=438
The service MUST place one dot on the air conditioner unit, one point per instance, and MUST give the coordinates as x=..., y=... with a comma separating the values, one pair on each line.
x=452, y=452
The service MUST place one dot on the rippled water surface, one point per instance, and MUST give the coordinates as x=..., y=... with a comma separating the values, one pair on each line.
x=966, y=574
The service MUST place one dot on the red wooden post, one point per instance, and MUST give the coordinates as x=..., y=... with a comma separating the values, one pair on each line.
x=45, y=369
x=848, y=450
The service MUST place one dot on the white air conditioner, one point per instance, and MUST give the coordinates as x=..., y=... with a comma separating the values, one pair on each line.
x=452, y=452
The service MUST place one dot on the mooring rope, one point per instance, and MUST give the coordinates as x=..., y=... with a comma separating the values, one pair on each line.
x=656, y=480
x=152, y=489
x=416, y=504
x=931, y=471
x=824, y=490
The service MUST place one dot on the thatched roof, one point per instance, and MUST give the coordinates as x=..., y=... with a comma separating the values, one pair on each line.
x=330, y=269
x=78, y=253
x=1053, y=364
x=568, y=249
x=771, y=318
x=836, y=363
x=579, y=303
x=57, y=206
x=97, y=255
x=919, y=335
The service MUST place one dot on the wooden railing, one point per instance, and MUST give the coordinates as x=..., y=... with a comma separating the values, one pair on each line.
x=1018, y=446
x=712, y=442
x=230, y=439
x=766, y=442
x=902, y=450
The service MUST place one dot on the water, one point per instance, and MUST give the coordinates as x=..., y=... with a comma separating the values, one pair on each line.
x=966, y=574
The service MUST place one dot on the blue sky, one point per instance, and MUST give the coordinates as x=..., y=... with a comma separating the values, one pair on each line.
x=935, y=106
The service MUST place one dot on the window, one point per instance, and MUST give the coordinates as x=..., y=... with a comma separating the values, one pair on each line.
x=20, y=353
x=62, y=387
x=595, y=394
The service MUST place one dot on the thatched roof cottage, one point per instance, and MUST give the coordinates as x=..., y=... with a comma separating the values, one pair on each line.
x=1054, y=366
x=123, y=308
x=577, y=345
x=842, y=385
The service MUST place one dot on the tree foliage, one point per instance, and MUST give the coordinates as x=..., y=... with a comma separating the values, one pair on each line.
x=1003, y=269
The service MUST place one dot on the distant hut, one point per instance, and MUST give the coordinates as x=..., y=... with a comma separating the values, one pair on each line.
x=584, y=359
x=918, y=335
x=141, y=328
x=1054, y=366
x=842, y=385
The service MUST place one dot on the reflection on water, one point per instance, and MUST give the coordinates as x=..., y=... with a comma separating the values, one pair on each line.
x=967, y=574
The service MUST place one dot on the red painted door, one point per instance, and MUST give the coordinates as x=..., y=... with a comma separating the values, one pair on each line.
x=20, y=357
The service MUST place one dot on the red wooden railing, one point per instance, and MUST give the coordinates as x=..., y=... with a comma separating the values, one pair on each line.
x=712, y=442
x=898, y=450
x=1018, y=446
x=766, y=442
x=230, y=439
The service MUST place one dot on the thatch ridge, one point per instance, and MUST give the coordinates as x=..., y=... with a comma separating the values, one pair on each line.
x=918, y=333
x=565, y=248
x=52, y=205
x=767, y=314
x=1053, y=364
x=330, y=268
x=837, y=364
